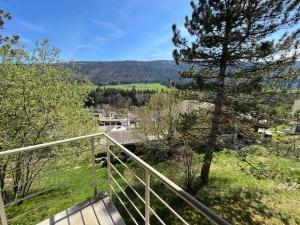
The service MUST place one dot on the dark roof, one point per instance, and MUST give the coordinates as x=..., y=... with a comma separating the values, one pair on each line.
x=98, y=110
x=110, y=120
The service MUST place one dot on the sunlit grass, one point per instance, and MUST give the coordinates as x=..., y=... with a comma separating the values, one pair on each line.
x=137, y=86
x=69, y=187
x=237, y=195
x=234, y=193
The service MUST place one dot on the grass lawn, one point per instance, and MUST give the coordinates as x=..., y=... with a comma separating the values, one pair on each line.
x=138, y=86
x=239, y=197
x=234, y=194
x=245, y=199
x=71, y=186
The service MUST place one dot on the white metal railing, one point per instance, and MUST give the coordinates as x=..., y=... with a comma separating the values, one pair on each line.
x=149, y=172
x=56, y=170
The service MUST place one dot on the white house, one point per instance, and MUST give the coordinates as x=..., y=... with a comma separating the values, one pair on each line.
x=295, y=125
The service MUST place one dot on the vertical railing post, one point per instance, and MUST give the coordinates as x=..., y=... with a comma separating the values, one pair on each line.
x=147, y=197
x=108, y=171
x=2, y=210
x=94, y=166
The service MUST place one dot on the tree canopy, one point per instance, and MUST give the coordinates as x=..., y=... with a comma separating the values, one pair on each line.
x=40, y=102
x=239, y=61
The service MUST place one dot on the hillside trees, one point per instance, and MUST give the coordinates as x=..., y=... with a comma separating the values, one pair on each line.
x=119, y=98
x=40, y=102
x=239, y=59
x=157, y=118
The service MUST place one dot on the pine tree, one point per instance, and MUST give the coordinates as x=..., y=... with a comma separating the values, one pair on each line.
x=240, y=52
x=6, y=39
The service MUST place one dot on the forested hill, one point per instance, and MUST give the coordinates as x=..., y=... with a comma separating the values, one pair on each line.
x=125, y=72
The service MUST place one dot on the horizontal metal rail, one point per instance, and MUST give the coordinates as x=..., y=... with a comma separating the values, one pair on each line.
x=45, y=145
x=136, y=176
x=137, y=194
x=123, y=204
x=59, y=181
x=169, y=207
x=201, y=208
x=128, y=198
x=52, y=201
x=65, y=156
x=54, y=170
x=150, y=171
x=30, y=196
x=119, y=160
x=123, y=178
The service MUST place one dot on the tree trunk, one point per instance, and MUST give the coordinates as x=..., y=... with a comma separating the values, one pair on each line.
x=212, y=139
x=17, y=177
x=2, y=181
x=215, y=122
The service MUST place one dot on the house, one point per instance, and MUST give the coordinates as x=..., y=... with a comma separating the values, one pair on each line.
x=112, y=121
x=103, y=121
x=99, y=112
x=113, y=114
x=129, y=118
x=295, y=129
x=296, y=106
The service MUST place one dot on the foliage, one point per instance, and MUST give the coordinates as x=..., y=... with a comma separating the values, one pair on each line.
x=119, y=98
x=285, y=147
x=6, y=40
x=157, y=118
x=238, y=63
x=170, y=127
x=40, y=102
x=185, y=160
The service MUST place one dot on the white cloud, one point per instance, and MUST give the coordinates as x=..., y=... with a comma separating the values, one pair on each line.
x=156, y=47
x=78, y=46
x=101, y=39
x=114, y=30
x=30, y=26
x=26, y=41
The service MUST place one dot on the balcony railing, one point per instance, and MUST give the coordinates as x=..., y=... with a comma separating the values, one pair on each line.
x=40, y=157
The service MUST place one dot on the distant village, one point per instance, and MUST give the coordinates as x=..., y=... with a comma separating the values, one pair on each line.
x=118, y=126
x=121, y=126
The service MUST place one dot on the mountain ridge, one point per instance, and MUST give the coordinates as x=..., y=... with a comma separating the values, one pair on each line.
x=133, y=71
x=129, y=71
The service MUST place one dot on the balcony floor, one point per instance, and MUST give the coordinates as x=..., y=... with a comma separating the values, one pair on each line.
x=98, y=210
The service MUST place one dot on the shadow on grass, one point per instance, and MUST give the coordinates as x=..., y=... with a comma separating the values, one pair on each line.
x=237, y=206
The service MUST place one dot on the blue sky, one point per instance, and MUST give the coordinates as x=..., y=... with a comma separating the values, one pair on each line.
x=99, y=29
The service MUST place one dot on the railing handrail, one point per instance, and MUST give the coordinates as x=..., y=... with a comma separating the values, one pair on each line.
x=200, y=207
x=204, y=210
x=48, y=144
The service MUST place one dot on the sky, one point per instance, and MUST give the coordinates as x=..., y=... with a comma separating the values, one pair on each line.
x=93, y=30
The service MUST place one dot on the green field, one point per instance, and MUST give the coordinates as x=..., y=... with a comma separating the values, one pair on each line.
x=138, y=86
